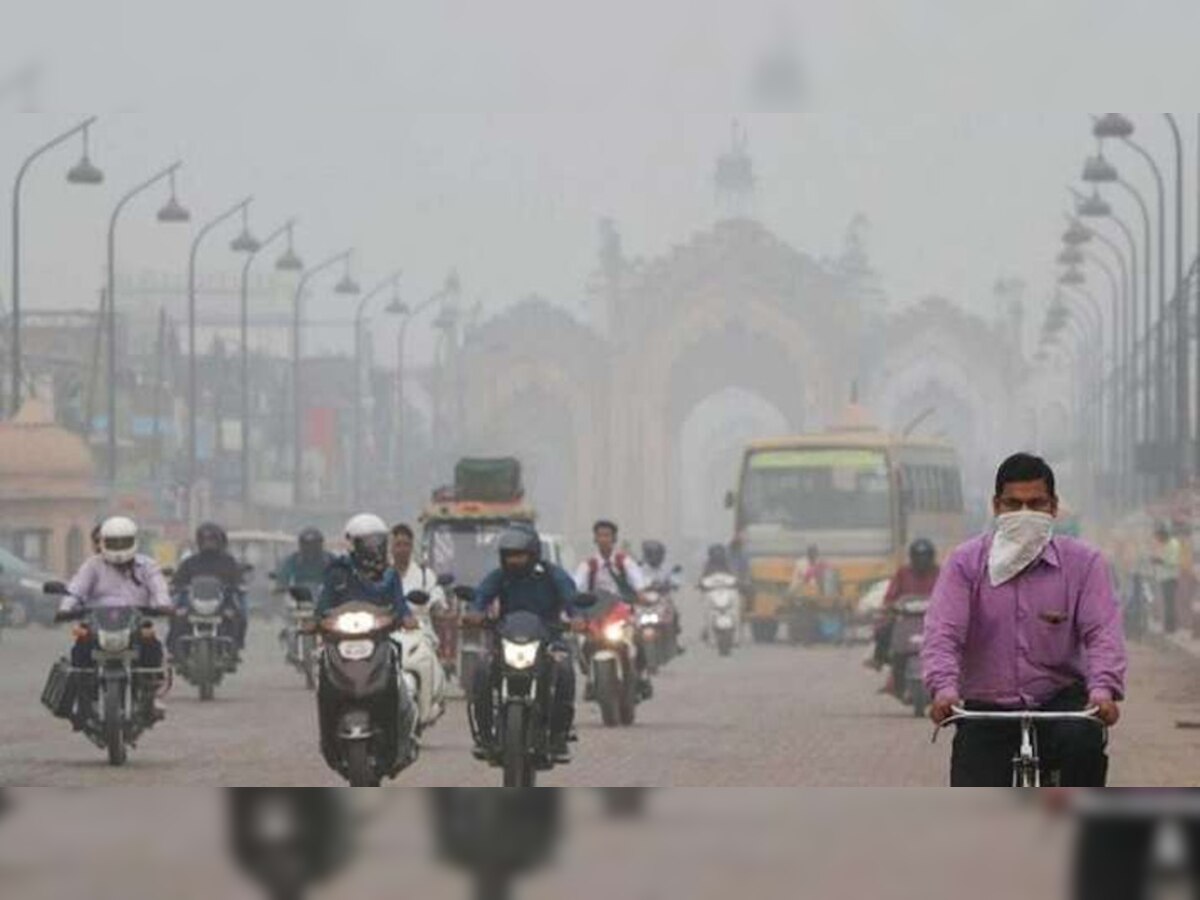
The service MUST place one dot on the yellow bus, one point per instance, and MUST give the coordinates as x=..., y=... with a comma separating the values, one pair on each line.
x=859, y=495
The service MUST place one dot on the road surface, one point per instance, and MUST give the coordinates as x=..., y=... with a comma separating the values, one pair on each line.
x=767, y=716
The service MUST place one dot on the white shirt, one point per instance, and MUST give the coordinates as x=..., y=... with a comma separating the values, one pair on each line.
x=422, y=578
x=605, y=582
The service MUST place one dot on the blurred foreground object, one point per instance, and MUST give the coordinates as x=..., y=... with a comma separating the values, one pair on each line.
x=496, y=834
x=288, y=839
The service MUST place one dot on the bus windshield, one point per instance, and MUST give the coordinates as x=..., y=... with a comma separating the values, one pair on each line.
x=466, y=550
x=818, y=490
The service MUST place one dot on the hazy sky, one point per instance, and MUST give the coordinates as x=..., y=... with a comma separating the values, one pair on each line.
x=492, y=137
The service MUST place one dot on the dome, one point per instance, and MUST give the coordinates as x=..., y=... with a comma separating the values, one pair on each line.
x=35, y=452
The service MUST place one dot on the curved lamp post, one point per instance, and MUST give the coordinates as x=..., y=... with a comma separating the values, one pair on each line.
x=172, y=212
x=395, y=307
x=193, y=383
x=287, y=262
x=346, y=285
x=83, y=172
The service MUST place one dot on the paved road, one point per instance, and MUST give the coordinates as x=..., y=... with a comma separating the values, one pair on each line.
x=768, y=716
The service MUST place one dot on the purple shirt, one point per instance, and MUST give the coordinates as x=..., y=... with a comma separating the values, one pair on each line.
x=1018, y=645
x=98, y=583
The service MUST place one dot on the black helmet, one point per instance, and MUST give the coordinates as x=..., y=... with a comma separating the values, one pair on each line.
x=654, y=552
x=922, y=554
x=311, y=537
x=519, y=538
x=210, y=536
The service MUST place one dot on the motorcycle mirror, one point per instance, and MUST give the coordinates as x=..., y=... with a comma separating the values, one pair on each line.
x=585, y=601
x=418, y=598
x=445, y=579
x=54, y=589
x=301, y=593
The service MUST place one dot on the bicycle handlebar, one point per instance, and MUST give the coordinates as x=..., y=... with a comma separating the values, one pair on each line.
x=1030, y=716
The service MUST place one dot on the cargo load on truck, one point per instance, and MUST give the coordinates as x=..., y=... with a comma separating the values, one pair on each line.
x=488, y=480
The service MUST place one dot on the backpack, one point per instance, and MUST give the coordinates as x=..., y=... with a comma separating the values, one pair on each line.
x=619, y=575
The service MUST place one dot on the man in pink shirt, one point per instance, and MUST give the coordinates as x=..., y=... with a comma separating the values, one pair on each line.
x=1024, y=619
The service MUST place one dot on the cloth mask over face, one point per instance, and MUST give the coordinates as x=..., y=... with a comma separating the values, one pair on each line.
x=1020, y=539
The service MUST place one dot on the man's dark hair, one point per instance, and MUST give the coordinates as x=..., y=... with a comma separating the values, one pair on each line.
x=403, y=529
x=1022, y=467
x=606, y=523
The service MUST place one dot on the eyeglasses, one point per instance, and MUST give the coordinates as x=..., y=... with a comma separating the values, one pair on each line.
x=1038, y=504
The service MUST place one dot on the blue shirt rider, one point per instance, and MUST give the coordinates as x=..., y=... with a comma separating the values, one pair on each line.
x=363, y=575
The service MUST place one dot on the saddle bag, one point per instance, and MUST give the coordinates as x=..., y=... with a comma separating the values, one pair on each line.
x=61, y=687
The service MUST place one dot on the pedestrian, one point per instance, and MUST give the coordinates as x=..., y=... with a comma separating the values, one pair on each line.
x=1166, y=557
x=1022, y=618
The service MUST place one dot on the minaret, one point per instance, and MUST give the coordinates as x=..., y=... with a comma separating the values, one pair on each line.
x=734, y=176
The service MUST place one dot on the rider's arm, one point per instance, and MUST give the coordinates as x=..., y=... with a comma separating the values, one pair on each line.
x=81, y=585
x=486, y=592
x=635, y=575
x=582, y=576
x=946, y=630
x=565, y=588
x=156, y=586
x=1098, y=623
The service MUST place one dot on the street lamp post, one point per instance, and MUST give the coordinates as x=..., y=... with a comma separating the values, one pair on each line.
x=1183, y=455
x=193, y=382
x=398, y=308
x=288, y=262
x=345, y=286
x=83, y=172
x=172, y=212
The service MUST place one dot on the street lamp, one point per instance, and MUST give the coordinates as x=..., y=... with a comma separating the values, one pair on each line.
x=193, y=382
x=171, y=213
x=83, y=172
x=1071, y=256
x=288, y=262
x=1076, y=234
x=346, y=285
x=1098, y=170
x=1112, y=125
x=396, y=307
x=245, y=242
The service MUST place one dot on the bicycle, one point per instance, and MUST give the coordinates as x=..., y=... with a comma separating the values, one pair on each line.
x=1027, y=765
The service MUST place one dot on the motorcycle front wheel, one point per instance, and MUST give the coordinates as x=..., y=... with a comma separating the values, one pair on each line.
x=724, y=642
x=114, y=726
x=202, y=665
x=359, y=771
x=518, y=771
x=608, y=693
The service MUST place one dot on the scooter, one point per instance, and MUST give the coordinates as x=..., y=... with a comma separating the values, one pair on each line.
x=905, y=652
x=375, y=719
x=724, y=622
x=421, y=669
x=655, y=622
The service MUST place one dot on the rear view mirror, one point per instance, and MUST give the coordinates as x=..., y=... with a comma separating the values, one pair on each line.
x=55, y=589
x=730, y=500
x=418, y=598
x=445, y=579
x=585, y=601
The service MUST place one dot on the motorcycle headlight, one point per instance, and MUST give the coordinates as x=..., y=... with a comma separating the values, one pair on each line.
x=520, y=656
x=355, y=623
x=650, y=619
x=356, y=651
x=205, y=607
x=113, y=641
x=614, y=632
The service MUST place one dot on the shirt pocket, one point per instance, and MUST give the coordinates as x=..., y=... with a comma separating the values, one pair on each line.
x=1049, y=628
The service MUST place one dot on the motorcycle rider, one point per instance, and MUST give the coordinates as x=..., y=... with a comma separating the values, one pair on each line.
x=670, y=581
x=307, y=565
x=610, y=570
x=524, y=582
x=116, y=576
x=213, y=559
x=917, y=579
x=362, y=575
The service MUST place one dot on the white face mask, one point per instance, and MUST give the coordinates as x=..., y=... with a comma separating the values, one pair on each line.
x=1020, y=539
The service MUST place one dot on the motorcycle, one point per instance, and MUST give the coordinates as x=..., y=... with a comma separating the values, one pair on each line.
x=422, y=671
x=609, y=654
x=655, y=622
x=724, y=623
x=359, y=683
x=904, y=654
x=521, y=696
x=205, y=652
x=299, y=640
x=124, y=692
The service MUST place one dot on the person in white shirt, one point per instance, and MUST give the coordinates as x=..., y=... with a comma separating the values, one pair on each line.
x=415, y=576
x=609, y=570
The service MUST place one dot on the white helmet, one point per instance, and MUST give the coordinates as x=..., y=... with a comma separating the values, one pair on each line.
x=367, y=536
x=118, y=540
x=365, y=525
